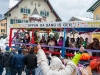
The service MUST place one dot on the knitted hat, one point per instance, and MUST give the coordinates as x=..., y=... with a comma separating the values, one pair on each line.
x=19, y=50
x=7, y=48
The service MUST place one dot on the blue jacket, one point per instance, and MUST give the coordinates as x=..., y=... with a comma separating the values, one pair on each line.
x=0, y=59
x=18, y=61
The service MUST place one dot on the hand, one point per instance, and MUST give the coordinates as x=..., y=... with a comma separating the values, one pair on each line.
x=39, y=46
x=81, y=48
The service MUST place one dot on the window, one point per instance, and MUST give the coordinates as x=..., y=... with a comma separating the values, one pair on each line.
x=16, y=21
x=44, y=13
x=2, y=24
x=97, y=17
x=25, y=10
x=24, y=21
x=2, y=30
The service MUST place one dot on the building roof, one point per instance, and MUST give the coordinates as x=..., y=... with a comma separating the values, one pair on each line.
x=13, y=7
x=94, y=6
x=2, y=20
x=12, y=3
x=77, y=18
x=47, y=1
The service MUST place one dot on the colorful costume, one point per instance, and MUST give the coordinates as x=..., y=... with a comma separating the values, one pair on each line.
x=56, y=67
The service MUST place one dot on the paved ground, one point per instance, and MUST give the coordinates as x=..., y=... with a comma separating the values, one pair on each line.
x=22, y=73
x=66, y=60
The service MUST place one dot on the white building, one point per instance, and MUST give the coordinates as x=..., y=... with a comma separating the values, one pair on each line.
x=26, y=11
x=86, y=35
x=78, y=18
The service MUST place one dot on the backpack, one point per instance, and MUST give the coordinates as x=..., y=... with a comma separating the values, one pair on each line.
x=82, y=70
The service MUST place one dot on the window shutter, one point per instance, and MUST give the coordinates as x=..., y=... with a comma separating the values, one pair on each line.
x=21, y=10
x=28, y=11
x=47, y=13
x=19, y=21
x=26, y=21
x=41, y=13
x=11, y=21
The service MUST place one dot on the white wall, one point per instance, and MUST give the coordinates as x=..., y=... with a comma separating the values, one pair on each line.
x=26, y=3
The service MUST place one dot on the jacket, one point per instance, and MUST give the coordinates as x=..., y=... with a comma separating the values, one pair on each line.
x=18, y=61
x=0, y=59
x=38, y=70
x=31, y=61
x=60, y=43
x=7, y=57
x=56, y=67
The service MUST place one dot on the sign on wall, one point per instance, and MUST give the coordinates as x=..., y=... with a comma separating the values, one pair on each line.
x=70, y=24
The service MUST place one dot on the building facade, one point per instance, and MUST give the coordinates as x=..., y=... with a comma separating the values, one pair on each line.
x=3, y=26
x=95, y=9
x=78, y=18
x=28, y=11
x=85, y=35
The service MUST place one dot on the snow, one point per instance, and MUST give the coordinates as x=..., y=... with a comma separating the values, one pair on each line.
x=12, y=3
x=36, y=16
x=83, y=18
x=3, y=43
x=23, y=73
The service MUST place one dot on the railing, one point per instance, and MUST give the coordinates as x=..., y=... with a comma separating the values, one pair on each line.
x=59, y=47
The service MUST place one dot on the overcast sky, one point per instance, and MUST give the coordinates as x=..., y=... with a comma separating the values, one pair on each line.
x=65, y=8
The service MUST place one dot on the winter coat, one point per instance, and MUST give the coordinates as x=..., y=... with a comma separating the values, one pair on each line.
x=7, y=57
x=56, y=67
x=0, y=59
x=51, y=44
x=18, y=61
x=38, y=70
x=31, y=61
x=60, y=43
x=83, y=68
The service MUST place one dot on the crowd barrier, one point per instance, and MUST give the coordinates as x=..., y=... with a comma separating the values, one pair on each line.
x=59, y=47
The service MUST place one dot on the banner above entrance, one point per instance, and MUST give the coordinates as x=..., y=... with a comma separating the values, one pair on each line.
x=70, y=24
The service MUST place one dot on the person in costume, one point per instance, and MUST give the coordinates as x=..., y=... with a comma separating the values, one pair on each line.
x=95, y=66
x=83, y=65
x=56, y=67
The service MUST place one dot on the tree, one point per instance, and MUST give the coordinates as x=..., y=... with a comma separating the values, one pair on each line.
x=56, y=35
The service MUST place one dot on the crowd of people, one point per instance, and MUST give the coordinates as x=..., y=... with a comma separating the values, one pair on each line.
x=23, y=58
x=43, y=64
x=70, y=42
